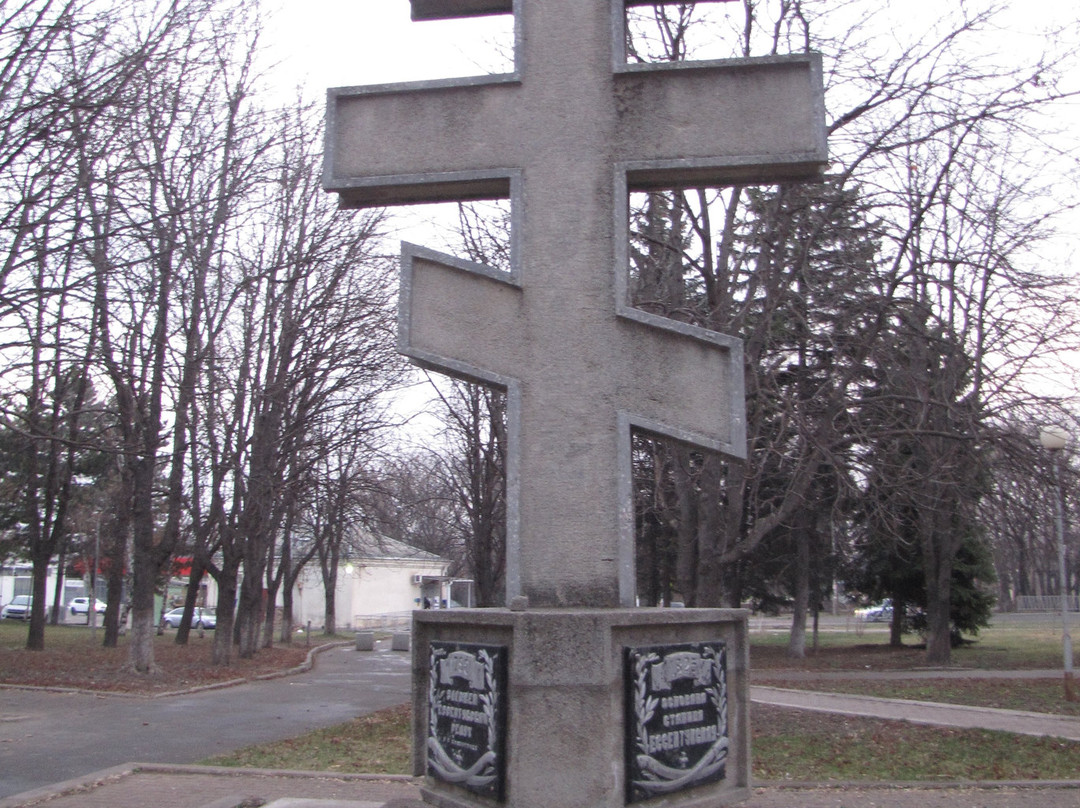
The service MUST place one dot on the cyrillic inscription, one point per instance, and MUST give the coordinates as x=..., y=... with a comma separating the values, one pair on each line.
x=467, y=716
x=676, y=718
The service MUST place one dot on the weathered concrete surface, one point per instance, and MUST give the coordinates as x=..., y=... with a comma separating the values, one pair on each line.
x=567, y=689
x=566, y=136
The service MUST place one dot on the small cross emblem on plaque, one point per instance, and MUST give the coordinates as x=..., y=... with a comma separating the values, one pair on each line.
x=566, y=136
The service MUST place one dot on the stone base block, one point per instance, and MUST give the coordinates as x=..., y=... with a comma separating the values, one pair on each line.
x=589, y=708
x=400, y=641
x=365, y=641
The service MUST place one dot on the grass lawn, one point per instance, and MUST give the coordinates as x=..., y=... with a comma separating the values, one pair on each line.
x=1001, y=647
x=786, y=745
x=801, y=745
x=372, y=744
x=1031, y=695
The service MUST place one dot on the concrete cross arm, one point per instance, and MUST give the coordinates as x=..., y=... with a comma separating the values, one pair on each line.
x=574, y=394
x=668, y=126
x=659, y=375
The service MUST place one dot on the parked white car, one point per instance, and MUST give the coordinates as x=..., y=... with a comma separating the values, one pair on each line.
x=82, y=606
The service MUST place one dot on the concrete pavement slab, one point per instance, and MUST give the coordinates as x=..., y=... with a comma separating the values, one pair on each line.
x=140, y=785
x=292, y=802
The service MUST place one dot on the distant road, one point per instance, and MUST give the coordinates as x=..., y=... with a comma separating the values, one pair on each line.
x=847, y=622
x=48, y=737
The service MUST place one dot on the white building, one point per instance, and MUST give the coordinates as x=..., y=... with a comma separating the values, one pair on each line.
x=380, y=583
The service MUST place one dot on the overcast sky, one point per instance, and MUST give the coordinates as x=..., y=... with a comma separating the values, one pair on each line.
x=319, y=44
x=339, y=43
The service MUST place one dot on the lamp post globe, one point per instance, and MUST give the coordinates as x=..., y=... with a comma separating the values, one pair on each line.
x=1053, y=437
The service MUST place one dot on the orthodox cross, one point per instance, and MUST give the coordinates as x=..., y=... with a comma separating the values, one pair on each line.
x=566, y=137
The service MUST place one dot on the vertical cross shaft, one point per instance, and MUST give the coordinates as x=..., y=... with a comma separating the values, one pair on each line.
x=565, y=137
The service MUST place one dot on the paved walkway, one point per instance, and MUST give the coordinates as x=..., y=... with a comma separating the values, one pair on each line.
x=906, y=675
x=142, y=785
x=922, y=712
x=385, y=680
x=47, y=736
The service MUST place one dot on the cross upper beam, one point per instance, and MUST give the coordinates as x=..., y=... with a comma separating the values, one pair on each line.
x=566, y=136
x=447, y=9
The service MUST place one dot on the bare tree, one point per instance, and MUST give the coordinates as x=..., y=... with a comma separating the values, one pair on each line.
x=67, y=70
x=912, y=129
x=301, y=370
x=162, y=185
x=473, y=462
x=474, y=471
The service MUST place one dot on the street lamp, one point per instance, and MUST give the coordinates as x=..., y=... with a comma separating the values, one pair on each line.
x=1054, y=438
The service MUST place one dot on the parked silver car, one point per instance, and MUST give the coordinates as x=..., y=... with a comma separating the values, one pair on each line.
x=18, y=609
x=200, y=618
x=881, y=613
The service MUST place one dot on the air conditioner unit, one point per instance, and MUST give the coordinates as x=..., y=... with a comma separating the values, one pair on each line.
x=417, y=579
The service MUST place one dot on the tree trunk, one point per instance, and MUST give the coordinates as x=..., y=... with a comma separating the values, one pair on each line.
x=268, y=617
x=115, y=556
x=226, y=609
x=250, y=612
x=797, y=640
x=896, y=624
x=191, y=600
x=686, y=553
x=273, y=586
x=143, y=620
x=711, y=533
x=938, y=622
x=145, y=568
x=330, y=613
x=330, y=571
x=35, y=638
x=286, y=615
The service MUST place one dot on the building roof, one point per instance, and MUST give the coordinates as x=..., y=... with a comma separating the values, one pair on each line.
x=367, y=545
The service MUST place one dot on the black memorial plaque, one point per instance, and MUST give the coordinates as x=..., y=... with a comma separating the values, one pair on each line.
x=676, y=718
x=466, y=743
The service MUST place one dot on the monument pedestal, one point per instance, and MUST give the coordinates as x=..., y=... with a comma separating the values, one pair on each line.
x=581, y=708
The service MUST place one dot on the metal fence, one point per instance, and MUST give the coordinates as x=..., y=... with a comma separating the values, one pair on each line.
x=1045, y=603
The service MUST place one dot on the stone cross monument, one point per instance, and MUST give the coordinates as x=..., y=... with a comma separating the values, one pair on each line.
x=566, y=137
